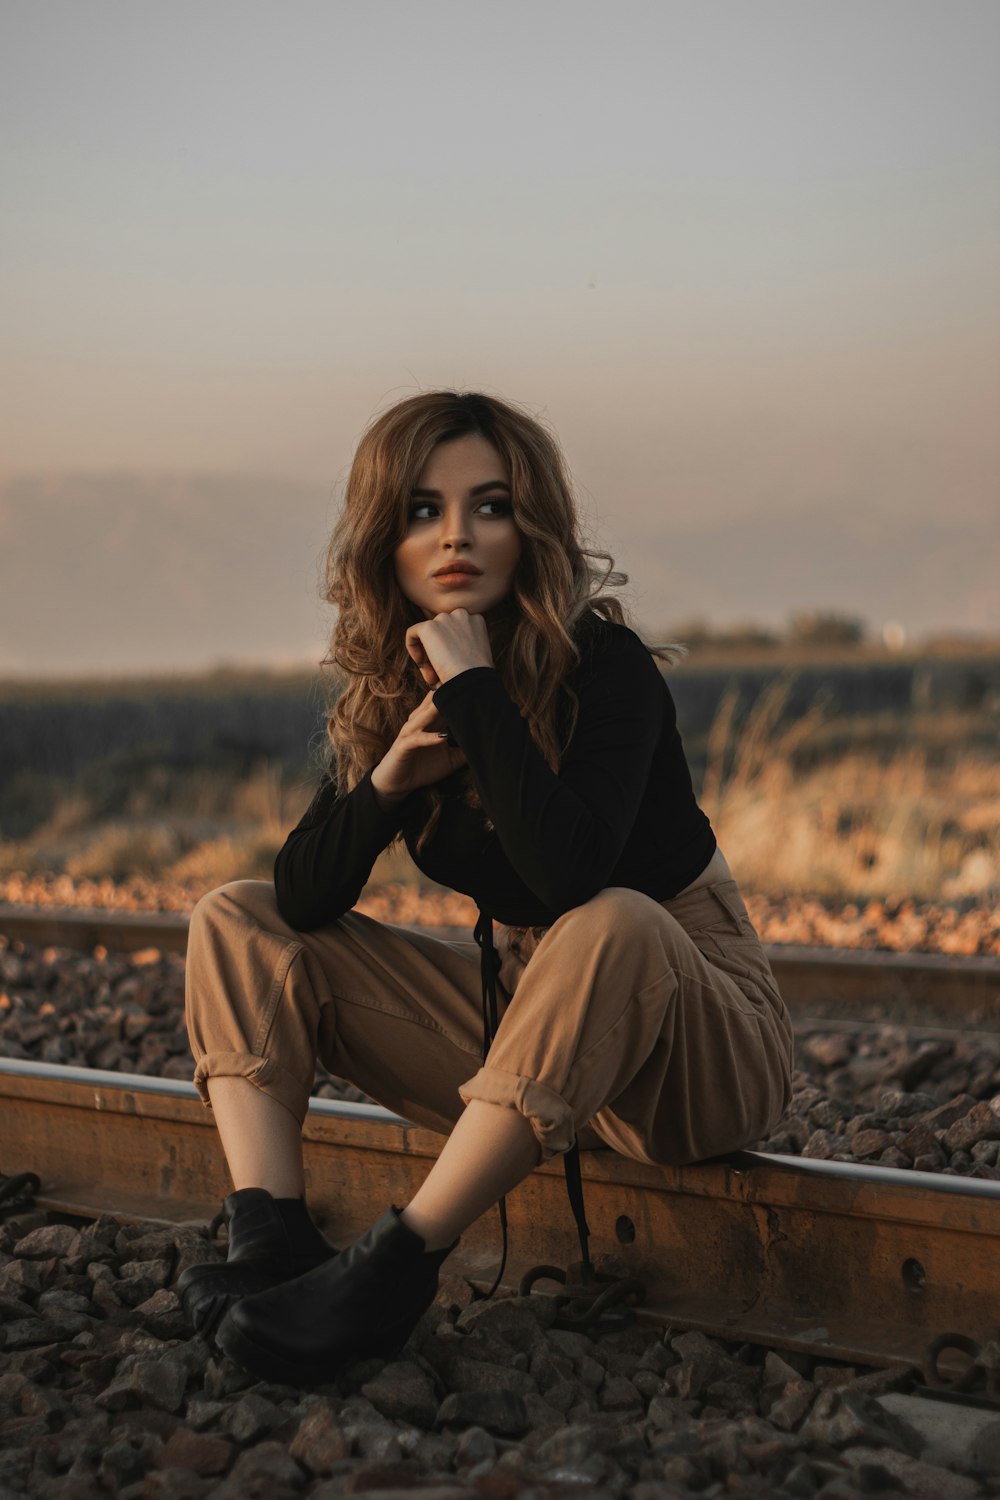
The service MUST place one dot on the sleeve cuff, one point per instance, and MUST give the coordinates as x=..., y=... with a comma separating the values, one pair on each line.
x=456, y=687
x=387, y=816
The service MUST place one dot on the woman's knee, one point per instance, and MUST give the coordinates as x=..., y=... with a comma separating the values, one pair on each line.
x=616, y=912
x=237, y=901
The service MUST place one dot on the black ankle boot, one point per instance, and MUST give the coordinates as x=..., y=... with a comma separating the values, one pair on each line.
x=366, y=1302
x=271, y=1240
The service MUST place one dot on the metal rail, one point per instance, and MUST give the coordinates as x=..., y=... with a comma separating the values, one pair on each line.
x=854, y=984
x=852, y=1262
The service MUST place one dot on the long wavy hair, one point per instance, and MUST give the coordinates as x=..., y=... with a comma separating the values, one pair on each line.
x=556, y=583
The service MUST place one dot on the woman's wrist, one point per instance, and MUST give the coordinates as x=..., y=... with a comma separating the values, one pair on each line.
x=385, y=798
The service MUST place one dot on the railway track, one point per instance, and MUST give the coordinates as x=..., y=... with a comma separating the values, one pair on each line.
x=849, y=1262
x=841, y=1260
x=922, y=989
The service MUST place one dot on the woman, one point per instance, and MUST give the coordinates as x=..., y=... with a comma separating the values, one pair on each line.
x=498, y=715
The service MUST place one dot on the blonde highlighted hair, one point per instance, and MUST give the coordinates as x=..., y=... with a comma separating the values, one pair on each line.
x=557, y=581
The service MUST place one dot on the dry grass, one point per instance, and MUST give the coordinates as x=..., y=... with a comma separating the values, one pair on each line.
x=813, y=806
x=910, y=824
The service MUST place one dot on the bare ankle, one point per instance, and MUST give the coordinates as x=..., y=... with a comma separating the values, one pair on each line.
x=434, y=1236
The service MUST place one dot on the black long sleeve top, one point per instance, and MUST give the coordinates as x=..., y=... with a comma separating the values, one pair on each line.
x=620, y=811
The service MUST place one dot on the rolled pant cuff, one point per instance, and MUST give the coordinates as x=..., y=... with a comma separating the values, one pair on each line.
x=547, y=1112
x=262, y=1072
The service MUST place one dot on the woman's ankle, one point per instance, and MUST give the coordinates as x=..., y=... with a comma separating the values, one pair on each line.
x=434, y=1236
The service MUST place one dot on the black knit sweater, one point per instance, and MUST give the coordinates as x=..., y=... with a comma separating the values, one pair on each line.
x=620, y=811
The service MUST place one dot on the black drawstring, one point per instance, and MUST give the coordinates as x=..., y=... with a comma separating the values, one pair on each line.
x=489, y=967
x=574, y=1187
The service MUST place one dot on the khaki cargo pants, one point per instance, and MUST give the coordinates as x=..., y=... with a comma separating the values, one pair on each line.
x=659, y=1025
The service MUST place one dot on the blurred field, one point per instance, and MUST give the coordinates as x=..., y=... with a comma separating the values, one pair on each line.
x=869, y=786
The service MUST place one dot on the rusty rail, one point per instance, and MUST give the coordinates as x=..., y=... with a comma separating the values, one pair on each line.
x=852, y=984
x=860, y=1263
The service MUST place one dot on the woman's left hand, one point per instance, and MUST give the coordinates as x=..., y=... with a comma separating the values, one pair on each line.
x=448, y=644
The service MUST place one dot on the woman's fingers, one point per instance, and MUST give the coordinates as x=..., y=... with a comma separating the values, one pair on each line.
x=426, y=712
x=418, y=653
x=448, y=644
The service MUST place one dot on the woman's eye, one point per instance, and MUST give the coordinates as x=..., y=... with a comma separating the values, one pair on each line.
x=499, y=507
x=422, y=510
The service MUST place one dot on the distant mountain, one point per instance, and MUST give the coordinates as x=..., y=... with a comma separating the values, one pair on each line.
x=931, y=575
x=126, y=572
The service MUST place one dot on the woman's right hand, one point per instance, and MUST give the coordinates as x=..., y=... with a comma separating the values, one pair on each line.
x=418, y=756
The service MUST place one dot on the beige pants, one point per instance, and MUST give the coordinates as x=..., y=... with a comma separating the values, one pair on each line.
x=659, y=1025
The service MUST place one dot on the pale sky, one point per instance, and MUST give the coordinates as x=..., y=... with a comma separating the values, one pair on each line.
x=744, y=255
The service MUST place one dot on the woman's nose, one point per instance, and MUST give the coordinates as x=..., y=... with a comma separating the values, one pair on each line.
x=455, y=531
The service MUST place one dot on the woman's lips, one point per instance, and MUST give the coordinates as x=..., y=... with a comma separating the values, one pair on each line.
x=456, y=579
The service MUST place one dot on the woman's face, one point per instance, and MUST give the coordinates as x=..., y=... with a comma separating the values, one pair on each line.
x=461, y=545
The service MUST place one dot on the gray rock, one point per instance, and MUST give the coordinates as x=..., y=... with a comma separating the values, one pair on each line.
x=499, y=1411
x=518, y=1321
x=825, y=1376
x=163, y=1315
x=686, y=1473
x=481, y=1375
x=897, y=1104
x=403, y=1391
x=48, y=1241
x=223, y=1377
x=792, y=1405
x=475, y=1445
x=585, y=1476
x=197, y=1452
x=844, y=1418
x=955, y=1437
x=60, y=1300
x=368, y=1432
x=582, y=1410
x=454, y=1295
x=589, y=1372
x=564, y=1341
x=21, y=1279
x=619, y=1394
x=171, y=1484
x=252, y=1418
x=156, y=1271
x=982, y=1123
x=25, y=1333
x=563, y=1395
x=265, y=1472
x=127, y=1459
x=946, y=1114
x=658, y=1358
x=13, y=1388
x=568, y=1447
x=919, y=1480
x=202, y=1414
x=670, y=1413
x=649, y=1384
x=549, y=1369
x=413, y=1485
x=12, y=1308
x=320, y=1443
x=158, y=1382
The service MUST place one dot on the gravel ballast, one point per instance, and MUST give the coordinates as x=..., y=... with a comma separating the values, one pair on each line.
x=873, y=1093
x=102, y=1392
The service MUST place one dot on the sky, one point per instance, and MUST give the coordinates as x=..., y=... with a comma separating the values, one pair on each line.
x=742, y=255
